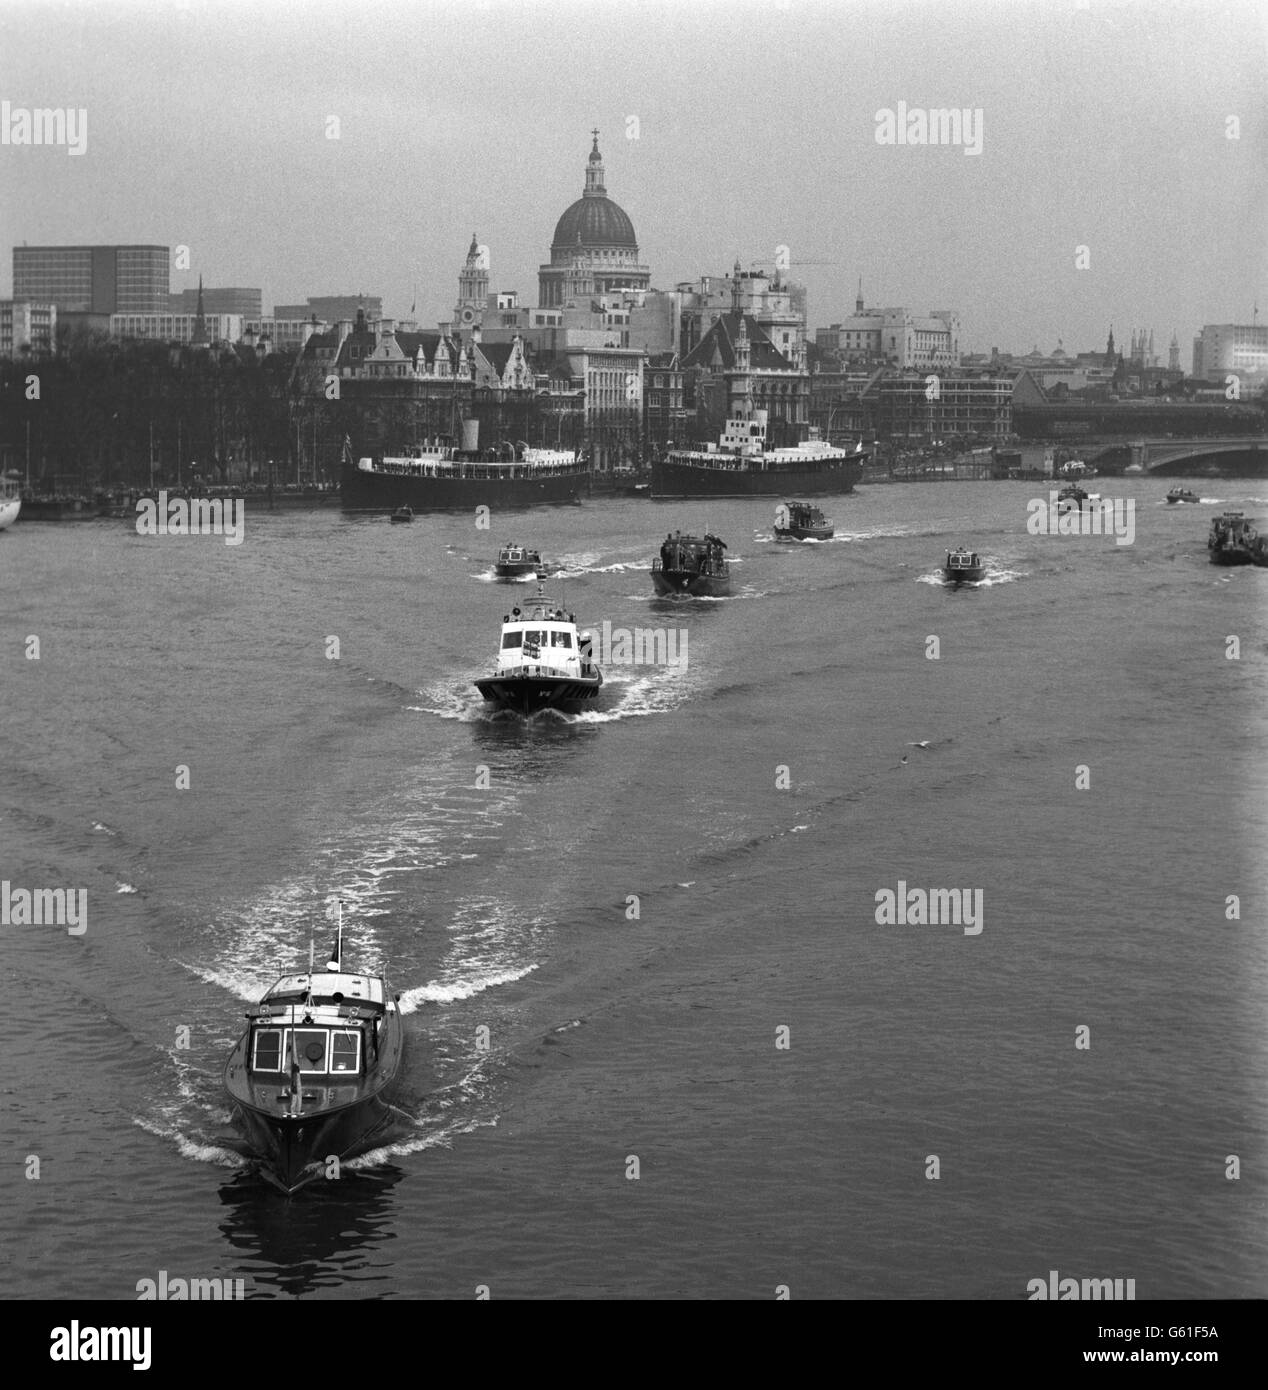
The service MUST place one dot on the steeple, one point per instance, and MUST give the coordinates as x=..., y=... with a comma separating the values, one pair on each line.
x=858, y=303
x=594, y=171
x=200, y=338
x=1173, y=362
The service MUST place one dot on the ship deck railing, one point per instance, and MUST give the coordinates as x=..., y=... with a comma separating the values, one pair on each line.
x=545, y=672
x=489, y=470
x=753, y=463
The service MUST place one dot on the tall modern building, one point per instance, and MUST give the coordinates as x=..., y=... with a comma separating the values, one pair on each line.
x=1240, y=348
x=27, y=328
x=94, y=279
x=247, y=302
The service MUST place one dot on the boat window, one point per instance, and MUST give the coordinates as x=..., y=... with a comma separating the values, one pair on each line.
x=512, y=639
x=345, y=1050
x=268, y=1050
x=537, y=636
x=311, y=1046
x=561, y=639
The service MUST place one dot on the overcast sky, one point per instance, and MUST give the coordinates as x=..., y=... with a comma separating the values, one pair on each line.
x=1104, y=124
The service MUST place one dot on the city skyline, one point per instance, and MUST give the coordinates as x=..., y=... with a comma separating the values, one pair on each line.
x=756, y=127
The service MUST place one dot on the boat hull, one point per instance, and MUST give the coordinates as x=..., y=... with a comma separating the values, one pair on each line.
x=1237, y=555
x=964, y=576
x=362, y=491
x=670, y=479
x=10, y=509
x=690, y=584
x=516, y=570
x=804, y=533
x=529, y=694
x=293, y=1150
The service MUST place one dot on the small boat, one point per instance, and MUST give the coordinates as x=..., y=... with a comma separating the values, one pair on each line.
x=515, y=561
x=1071, y=498
x=1182, y=494
x=10, y=500
x=310, y=1078
x=963, y=566
x=801, y=521
x=692, y=566
x=1235, y=541
x=543, y=661
x=401, y=515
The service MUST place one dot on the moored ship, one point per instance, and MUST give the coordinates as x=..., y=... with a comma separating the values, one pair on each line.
x=740, y=465
x=1235, y=541
x=310, y=1078
x=543, y=661
x=438, y=475
x=800, y=521
x=10, y=500
x=692, y=566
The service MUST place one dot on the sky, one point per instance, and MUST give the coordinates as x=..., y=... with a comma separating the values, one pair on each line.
x=728, y=130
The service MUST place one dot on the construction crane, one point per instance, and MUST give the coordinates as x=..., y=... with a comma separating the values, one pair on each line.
x=771, y=260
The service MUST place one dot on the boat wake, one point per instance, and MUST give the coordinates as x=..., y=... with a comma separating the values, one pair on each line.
x=996, y=574
x=640, y=693
x=452, y=992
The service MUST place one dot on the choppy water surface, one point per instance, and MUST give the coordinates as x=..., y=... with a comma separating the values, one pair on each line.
x=614, y=1036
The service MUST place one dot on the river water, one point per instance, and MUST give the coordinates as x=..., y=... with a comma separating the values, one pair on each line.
x=710, y=1071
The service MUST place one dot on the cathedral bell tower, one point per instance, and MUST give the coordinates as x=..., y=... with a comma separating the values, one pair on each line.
x=473, y=288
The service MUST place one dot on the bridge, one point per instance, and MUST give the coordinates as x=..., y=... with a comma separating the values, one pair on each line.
x=1245, y=456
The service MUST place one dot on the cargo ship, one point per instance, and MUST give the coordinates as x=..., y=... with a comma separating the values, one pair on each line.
x=740, y=465
x=440, y=475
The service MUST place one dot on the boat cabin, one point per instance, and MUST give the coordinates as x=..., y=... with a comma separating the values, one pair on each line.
x=542, y=640
x=328, y=1022
x=518, y=555
x=963, y=560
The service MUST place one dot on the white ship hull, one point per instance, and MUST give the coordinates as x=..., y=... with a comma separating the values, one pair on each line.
x=9, y=509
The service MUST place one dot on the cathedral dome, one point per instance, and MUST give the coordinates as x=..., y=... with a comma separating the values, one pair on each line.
x=594, y=221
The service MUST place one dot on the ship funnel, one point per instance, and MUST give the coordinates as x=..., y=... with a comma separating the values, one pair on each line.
x=471, y=434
